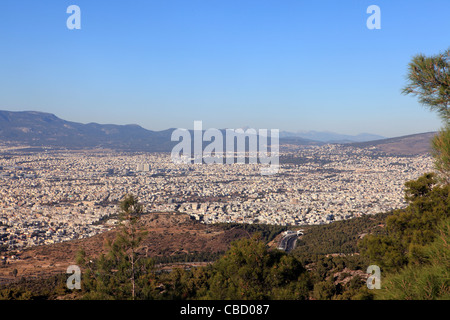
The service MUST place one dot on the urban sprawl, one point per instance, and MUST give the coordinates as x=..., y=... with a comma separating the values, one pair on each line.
x=53, y=196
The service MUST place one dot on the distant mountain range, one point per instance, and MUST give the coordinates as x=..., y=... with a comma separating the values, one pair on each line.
x=331, y=137
x=39, y=129
x=45, y=129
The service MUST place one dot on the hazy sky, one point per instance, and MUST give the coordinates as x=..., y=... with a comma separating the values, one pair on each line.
x=275, y=64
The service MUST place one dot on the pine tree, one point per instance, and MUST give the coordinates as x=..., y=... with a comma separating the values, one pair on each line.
x=124, y=249
x=124, y=272
x=429, y=79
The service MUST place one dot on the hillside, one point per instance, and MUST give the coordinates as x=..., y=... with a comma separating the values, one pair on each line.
x=325, y=251
x=168, y=235
x=45, y=129
x=406, y=145
x=177, y=238
x=339, y=237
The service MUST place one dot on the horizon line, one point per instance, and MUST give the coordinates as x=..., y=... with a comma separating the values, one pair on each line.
x=241, y=127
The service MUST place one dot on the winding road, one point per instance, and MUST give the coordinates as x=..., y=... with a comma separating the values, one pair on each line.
x=288, y=241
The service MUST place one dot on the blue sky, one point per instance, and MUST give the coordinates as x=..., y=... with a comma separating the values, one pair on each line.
x=275, y=64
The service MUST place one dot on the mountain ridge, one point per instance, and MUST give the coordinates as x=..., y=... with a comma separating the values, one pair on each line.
x=41, y=129
x=418, y=143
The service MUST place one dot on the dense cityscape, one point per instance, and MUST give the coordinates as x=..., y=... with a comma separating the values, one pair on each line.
x=54, y=196
x=217, y=158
